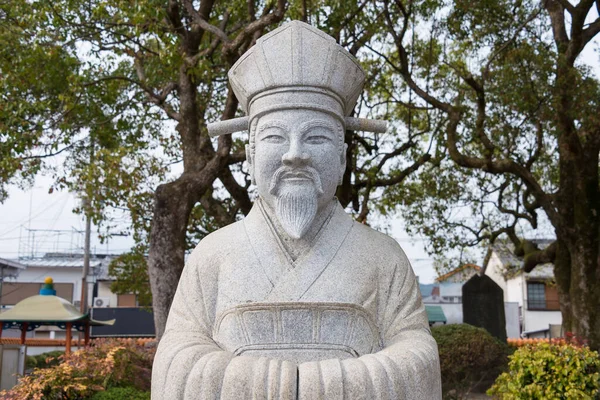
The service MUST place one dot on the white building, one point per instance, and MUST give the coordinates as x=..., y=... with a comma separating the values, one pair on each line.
x=535, y=292
x=447, y=292
x=24, y=278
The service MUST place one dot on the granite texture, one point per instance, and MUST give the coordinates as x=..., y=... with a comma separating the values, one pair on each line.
x=297, y=301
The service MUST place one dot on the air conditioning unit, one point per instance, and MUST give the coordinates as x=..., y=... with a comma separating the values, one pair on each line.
x=101, y=302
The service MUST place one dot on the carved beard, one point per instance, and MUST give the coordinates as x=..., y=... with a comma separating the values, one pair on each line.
x=296, y=201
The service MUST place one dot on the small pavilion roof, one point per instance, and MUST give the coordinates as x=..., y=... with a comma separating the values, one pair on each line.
x=47, y=310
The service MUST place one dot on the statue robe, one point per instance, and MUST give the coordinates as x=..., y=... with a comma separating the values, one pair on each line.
x=343, y=321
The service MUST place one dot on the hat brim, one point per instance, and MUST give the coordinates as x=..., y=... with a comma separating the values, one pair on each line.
x=242, y=124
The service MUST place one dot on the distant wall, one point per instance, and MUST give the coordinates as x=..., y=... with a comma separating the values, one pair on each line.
x=104, y=291
x=536, y=320
x=59, y=275
x=513, y=326
x=494, y=270
x=129, y=322
x=453, y=312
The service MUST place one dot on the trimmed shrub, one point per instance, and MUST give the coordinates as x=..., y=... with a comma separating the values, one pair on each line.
x=550, y=371
x=121, y=393
x=470, y=358
x=44, y=360
x=107, y=363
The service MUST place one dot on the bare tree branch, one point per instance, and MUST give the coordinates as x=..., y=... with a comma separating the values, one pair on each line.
x=567, y=6
x=238, y=192
x=556, y=12
x=199, y=20
x=258, y=25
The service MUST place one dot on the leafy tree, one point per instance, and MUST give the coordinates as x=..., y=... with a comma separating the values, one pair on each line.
x=130, y=270
x=121, y=91
x=522, y=133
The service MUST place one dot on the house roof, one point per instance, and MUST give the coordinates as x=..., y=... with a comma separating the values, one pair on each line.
x=426, y=289
x=11, y=263
x=59, y=263
x=505, y=252
x=457, y=270
x=544, y=271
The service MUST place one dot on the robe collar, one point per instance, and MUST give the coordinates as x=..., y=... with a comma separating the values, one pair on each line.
x=291, y=279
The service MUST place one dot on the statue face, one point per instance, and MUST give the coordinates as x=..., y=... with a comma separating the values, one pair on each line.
x=298, y=162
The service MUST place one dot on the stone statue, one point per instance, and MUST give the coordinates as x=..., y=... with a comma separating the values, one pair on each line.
x=297, y=301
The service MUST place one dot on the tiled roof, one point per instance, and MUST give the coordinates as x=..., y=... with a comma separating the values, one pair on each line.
x=11, y=263
x=58, y=262
x=457, y=270
x=426, y=288
x=505, y=252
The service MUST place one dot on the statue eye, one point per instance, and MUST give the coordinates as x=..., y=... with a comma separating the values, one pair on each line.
x=273, y=138
x=318, y=139
x=273, y=134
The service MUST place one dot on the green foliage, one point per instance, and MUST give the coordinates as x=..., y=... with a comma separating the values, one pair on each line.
x=469, y=357
x=121, y=393
x=550, y=371
x=106, y=364
x=131, y=273
x=44, y=360
x=64, y=92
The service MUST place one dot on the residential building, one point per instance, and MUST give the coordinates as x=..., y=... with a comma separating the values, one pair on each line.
x=24, y=277
x=534, y=292
x=460, y=274
x=446, y=292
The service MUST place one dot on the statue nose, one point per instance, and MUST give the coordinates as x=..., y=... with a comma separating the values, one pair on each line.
x=295, y=156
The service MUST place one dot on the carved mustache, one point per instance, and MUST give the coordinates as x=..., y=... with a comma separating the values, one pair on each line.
x=304, y=173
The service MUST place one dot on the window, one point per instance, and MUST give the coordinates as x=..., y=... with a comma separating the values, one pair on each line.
x=126, y=300
x=542, y=296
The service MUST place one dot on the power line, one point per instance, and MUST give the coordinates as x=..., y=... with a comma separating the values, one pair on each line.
x=34, y=216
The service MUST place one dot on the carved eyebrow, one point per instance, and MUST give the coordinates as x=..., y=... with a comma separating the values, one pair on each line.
x=305, y=127
x=273, y=124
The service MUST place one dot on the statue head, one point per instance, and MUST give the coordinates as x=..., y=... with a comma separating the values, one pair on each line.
x=297, y=87
x=298, y=160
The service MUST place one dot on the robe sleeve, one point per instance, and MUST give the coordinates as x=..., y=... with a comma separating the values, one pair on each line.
x=189, y=364
x=406, y=368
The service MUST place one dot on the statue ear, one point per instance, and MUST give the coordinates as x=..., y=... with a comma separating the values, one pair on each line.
x=250, y=164
x=343, y=163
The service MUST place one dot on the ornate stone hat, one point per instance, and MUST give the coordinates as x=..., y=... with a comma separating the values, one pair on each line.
x=296, y=67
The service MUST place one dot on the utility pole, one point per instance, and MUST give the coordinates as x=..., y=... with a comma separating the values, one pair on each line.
x=87, y=205
x=86, y=255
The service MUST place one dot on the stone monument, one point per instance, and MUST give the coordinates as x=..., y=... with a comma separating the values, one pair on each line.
x=297, y=301
x=483, y=305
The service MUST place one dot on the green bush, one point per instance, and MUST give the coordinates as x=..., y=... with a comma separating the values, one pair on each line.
x=121, y=393
x=30, y=362
x=550, y=371
x=44, y=360
x=470, y=358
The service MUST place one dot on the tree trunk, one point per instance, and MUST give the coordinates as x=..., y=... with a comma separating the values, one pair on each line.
x=562, y=274
x=577, y=264
x=167, y=247
x=585, y=297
